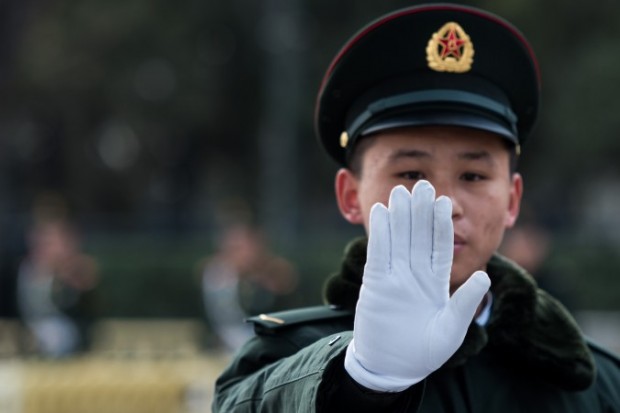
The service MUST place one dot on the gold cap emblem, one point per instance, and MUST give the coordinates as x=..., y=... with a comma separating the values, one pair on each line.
x=450, y=49
x=344, y=139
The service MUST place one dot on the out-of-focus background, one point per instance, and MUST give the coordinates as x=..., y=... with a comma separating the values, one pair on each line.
x=160, y=179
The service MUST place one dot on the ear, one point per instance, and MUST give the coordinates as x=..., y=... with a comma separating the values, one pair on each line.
x=347, y=196
x=514, y=202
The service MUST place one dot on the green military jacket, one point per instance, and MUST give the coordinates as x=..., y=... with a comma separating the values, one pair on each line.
x=530, y=357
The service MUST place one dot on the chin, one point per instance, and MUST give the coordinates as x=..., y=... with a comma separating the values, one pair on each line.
x=458, y=277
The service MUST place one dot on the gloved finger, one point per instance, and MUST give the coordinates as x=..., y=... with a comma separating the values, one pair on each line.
x=378, y=255
x=467, y=298
x=400, y=226
x=422, y=205
x=443, y=241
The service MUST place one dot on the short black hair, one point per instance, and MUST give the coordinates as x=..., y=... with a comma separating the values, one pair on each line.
x=355, y=154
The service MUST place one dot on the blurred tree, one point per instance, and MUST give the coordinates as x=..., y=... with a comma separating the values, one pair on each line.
x=151, y=116
x=14, y=15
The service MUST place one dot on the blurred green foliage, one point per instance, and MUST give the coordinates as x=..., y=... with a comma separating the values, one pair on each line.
x=146, y=116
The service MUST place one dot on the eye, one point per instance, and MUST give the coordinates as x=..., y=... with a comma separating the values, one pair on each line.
x=411, y=175
x=472, y=177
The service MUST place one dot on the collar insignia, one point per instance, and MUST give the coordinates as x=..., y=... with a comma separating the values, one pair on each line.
x=450, y=49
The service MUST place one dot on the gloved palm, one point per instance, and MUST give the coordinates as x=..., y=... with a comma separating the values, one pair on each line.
x=406, y=323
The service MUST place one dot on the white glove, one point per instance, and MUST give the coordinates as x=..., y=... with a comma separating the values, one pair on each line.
x=406, y=323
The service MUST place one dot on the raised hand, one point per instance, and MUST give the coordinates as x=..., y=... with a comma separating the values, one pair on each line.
x=406, y=323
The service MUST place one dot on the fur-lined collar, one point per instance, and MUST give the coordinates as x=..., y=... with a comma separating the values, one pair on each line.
x=531, y=329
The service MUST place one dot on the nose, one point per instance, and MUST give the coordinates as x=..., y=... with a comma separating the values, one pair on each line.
x=446, y=189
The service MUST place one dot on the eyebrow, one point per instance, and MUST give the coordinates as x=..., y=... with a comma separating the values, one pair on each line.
x=408, y=153
x=481, y=155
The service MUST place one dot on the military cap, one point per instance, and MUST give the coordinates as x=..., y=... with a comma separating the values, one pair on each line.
x=429, y=65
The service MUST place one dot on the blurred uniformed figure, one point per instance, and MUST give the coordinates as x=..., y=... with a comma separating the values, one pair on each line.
x=243, y=277
x=426, y=110
x=56, y=285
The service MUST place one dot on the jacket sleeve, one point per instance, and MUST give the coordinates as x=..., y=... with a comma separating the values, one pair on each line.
x=310, y=380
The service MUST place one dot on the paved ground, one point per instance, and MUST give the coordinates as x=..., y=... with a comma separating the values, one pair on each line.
x=98, y=385
x=135, y=366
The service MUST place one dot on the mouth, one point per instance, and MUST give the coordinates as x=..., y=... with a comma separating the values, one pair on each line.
x=459, y=243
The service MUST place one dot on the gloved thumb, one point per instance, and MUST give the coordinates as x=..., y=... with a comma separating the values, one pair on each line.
x=468, y=297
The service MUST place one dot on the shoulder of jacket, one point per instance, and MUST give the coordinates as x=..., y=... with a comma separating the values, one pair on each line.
x=284, y=319
x=604, y=352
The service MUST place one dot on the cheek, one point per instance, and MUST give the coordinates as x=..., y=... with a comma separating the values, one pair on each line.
x=367, y=207
x=370, y=193
x=492, y=220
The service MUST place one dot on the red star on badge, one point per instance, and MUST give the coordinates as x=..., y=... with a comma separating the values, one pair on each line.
x=451, y=44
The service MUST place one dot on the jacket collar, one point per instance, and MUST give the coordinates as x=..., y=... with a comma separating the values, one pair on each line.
x=528, y=330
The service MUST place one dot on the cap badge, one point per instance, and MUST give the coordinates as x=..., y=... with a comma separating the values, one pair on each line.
x=450, y=49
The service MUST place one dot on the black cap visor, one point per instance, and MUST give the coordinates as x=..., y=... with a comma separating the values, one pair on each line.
x=439, y=118
x=438, y=107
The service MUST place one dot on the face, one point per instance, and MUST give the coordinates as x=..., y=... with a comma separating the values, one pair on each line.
x=469, y=166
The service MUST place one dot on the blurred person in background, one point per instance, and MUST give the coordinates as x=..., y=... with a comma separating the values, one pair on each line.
x=242, y=278
x=529, y=244
x=426, y=110
x=56, y=284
